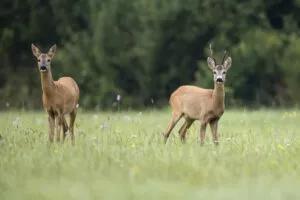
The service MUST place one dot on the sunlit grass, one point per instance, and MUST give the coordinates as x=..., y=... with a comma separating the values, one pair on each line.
x=122, y=156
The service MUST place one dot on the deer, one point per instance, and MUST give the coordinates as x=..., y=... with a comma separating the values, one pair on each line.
x=59, y=97
x=195, y=103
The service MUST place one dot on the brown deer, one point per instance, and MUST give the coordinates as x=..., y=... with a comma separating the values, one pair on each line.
x=195, y=103
x=59, y=97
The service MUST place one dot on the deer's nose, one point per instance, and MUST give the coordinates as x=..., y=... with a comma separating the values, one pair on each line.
x=43, y=68
x=219, y=80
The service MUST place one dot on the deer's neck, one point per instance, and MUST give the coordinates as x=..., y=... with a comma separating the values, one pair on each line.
x=218, y=96
x=47, y=83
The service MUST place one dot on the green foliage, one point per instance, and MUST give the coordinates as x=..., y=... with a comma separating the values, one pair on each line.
x=289, y=62
x=143, y=50
x=122, y=156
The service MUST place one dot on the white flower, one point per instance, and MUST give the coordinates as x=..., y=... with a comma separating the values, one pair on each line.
x=104, y=126
x=119, y=97
x=152, y=100
x=16, y=122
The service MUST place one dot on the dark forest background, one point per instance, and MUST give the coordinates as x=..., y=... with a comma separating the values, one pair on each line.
x=144, y=49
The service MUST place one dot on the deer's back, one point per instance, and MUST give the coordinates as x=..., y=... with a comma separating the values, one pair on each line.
x=69, y=85
x=192, y=101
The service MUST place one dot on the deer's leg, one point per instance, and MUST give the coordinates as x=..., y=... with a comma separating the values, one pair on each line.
x=72, y=120
x=175, y=118
x=214, y=131
x=51, y=120
x=59, y=126
x=202, y=132
x=184, y=128
x=65, y=128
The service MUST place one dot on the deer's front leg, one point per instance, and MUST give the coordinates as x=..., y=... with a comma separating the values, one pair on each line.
x=51, y=120
x=59, y=125
x=202, y=132
x=214, y=131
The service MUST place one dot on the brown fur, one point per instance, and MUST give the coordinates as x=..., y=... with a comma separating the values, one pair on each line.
x=59, y=99
x=195, y=103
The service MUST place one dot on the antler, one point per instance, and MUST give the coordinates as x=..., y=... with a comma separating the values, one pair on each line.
x=211, y=52
x=225, y=54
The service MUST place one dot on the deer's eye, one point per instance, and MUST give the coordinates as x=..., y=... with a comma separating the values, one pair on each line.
x=39, y=60
x=214, y=72
x=48, y=60
x=224, y=72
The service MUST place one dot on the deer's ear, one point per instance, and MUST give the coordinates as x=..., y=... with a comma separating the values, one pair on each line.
x=52, y=51
x=227, y=63
x=36, y=51
x=211, y=63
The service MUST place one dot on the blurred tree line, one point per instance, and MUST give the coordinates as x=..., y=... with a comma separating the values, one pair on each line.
x=143, y=50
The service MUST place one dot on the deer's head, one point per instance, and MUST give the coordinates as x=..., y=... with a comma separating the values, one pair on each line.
x=219, y=70
x=43, y=59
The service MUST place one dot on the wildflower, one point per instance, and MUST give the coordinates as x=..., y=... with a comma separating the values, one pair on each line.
x=16, y=122
x=152, y=100
x=104, y=126
x=119, y=97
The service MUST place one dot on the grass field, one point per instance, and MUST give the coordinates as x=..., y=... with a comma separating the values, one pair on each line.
x=121, y=156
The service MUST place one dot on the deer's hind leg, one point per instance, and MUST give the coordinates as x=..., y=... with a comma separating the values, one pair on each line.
x=175, y=118
x=182, y=127
x=187, y=124
x=58, y=128
x=72, y=121
x=65, y=128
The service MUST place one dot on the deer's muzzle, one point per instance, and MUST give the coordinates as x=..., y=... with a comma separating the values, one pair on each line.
x=219, y=80
x=43, y=68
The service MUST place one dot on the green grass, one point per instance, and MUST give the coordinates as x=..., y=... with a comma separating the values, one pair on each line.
x=121, y=156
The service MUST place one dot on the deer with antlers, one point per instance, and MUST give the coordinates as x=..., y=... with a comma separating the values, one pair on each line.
x=59, y=97
x=195, y=103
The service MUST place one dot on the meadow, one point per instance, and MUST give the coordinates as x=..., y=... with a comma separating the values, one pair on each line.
x=121, y=155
